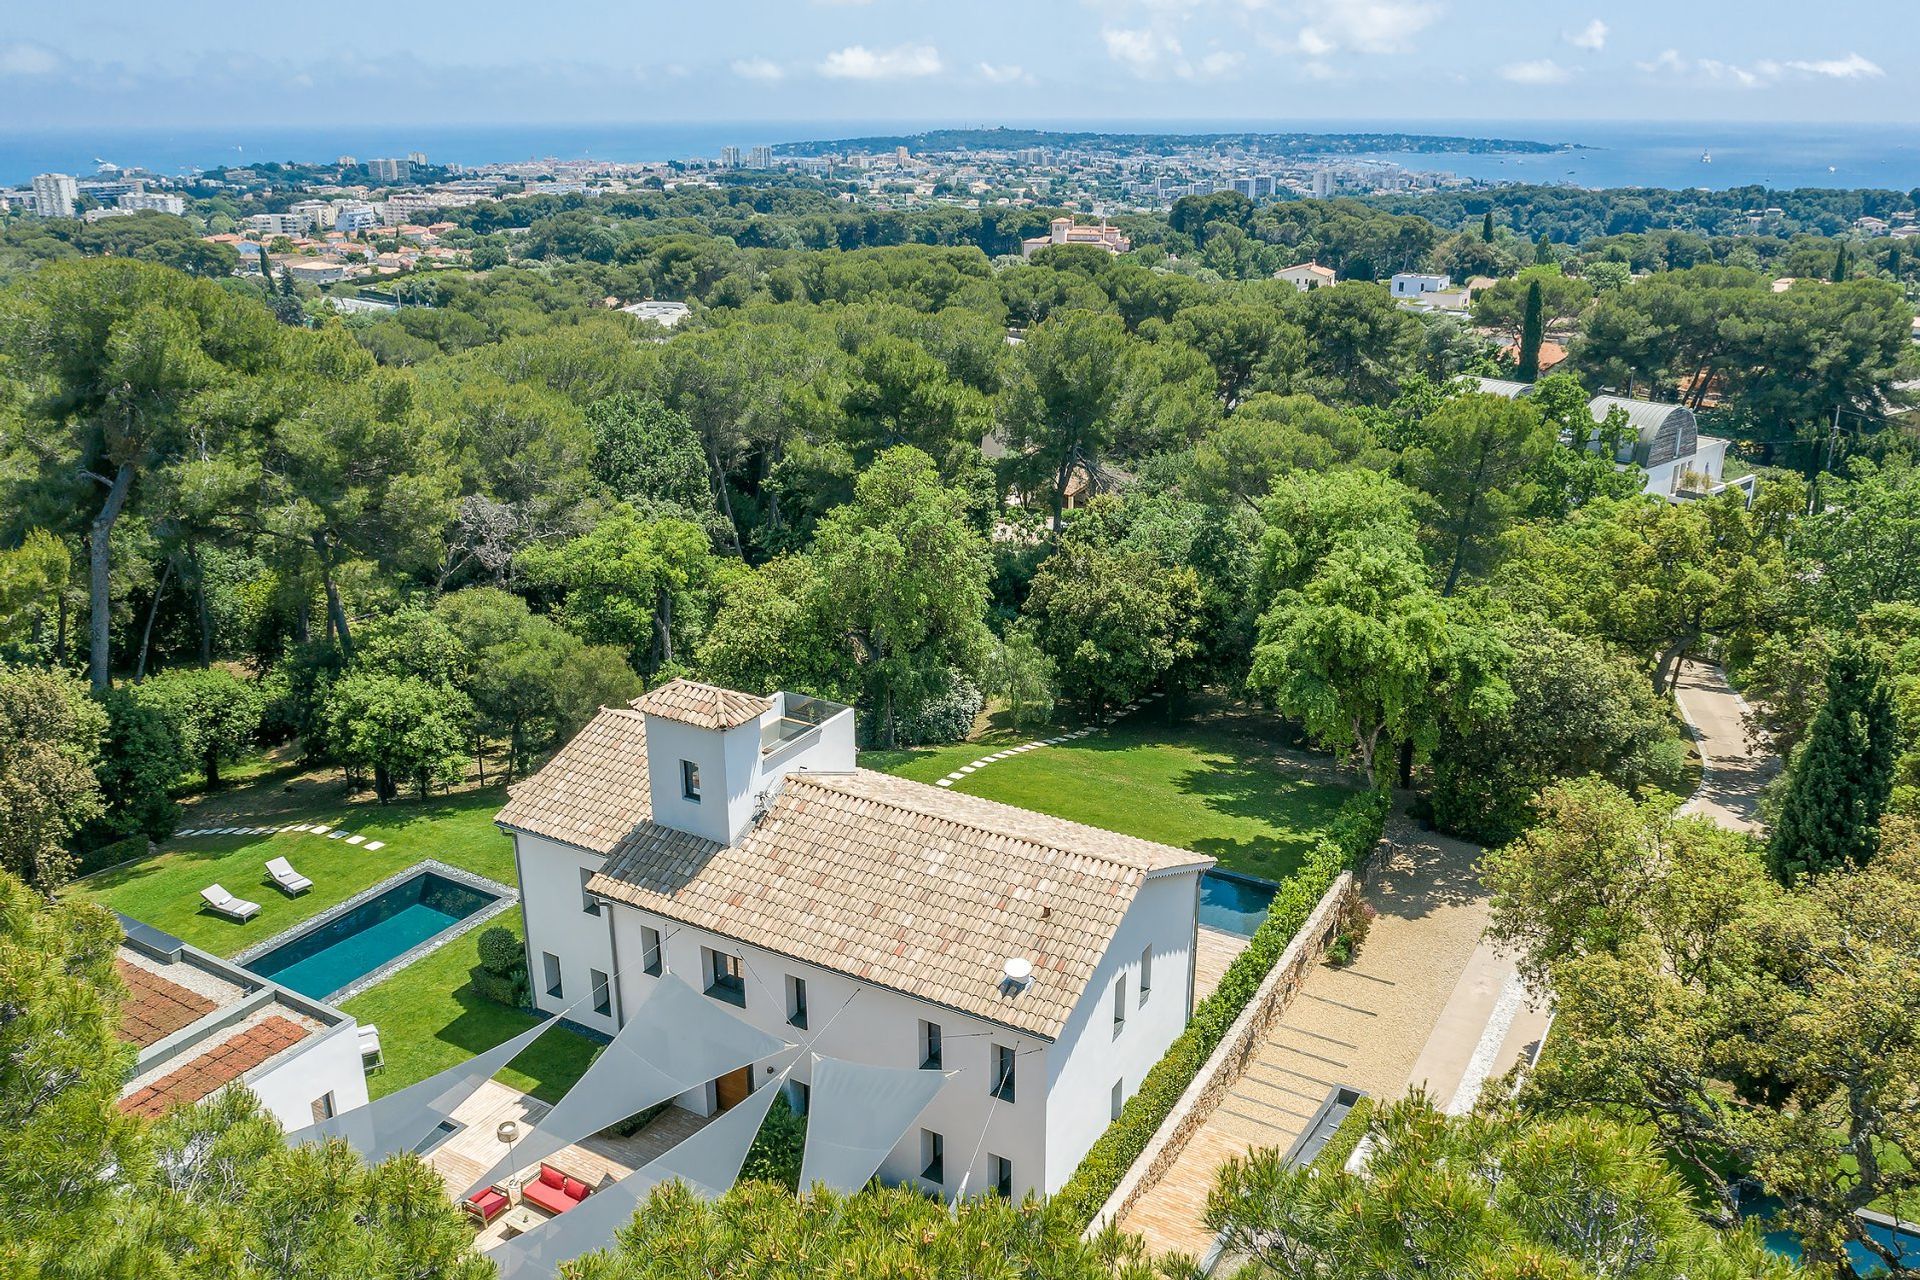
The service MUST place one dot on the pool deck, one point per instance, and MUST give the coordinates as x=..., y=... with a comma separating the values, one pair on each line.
x=1213, y=951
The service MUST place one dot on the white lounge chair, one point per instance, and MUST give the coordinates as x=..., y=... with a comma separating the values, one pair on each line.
x=227, y=905
x=286, y=877
x=371, y=1058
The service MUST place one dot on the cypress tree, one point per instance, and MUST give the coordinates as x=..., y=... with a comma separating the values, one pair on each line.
x=1894, y=262
x=266, y=268
x=1486, y=227
x=1543, y=249
x=1842, y=265
x=1839, y=781
x=1532, y=334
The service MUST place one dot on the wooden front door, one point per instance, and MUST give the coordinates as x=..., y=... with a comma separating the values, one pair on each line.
x=732, y=1089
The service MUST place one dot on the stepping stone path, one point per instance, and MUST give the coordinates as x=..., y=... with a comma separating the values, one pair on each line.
x=307, y=828
x=1010, y=752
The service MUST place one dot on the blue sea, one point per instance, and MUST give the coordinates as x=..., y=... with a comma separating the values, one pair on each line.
x=1782, y=156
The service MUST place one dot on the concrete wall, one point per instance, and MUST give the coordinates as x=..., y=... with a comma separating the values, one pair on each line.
x=328, y=1062
x=1240, y=1046
x=1092, y=1056
x=880, y=1028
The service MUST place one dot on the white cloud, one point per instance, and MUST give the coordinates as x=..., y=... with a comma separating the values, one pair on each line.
x=1363, y=26
x=1220, y=63
x=1592, y=37
x=22, y=59
x=1851, y=67
x=1537, y=72
x=1142, y=50
x=1003, y=73
x=902, y=62
x=758, y=69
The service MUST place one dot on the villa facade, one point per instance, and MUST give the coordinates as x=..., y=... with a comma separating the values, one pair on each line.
x=1042, y=966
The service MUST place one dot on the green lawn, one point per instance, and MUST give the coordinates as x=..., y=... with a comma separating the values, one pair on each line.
x=1212, y=781
x=430, y=1019
x=164, y=891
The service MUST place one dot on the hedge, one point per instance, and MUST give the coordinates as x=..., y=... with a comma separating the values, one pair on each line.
x=1349, y=838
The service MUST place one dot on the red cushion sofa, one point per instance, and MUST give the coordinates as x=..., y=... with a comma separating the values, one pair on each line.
x=485, y=1205
x=554, y=1191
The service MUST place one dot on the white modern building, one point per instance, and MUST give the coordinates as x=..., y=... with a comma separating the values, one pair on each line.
x=201, y=1024
x=136, y=201
x=357, y=217
x=1042, y=966
x=1409, y=284
x=54, y=195
x=268, y=225
x=315, y=213
x=1664, y=441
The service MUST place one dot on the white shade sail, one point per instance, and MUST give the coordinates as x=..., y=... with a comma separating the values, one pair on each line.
x=402, y=1121
x=675, y=1040
x=856, y=1115
x=708, y=1163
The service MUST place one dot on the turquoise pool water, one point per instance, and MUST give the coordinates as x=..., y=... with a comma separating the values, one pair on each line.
x=1234, y=904
x=354, y=944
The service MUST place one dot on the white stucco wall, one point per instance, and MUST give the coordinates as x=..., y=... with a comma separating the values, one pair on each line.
x=326, y=1063
x=1090, y=1057
x=556, y=922
x=880, y=1028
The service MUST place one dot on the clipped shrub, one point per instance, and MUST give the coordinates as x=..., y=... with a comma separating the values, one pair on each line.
x=502, y=975
x=1349, y=838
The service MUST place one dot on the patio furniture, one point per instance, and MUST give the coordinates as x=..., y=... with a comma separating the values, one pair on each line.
x=554, y=1191
x=519, y=1220
x=484, y=1206
x=370, y=1056
x=218, y=899
x=289, y=880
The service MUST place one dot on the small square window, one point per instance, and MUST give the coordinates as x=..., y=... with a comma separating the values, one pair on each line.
x=551, y=963
x=930, y=1059
x=1003, y=1068
x=602, y=993
x=1118, y=1101
x=323, y=1107
x=796, y=1002
x=650, y=962
x=724, y=978
x=690, y=780
x=1000, y=1173
x=588, y=903
x=933, y=1157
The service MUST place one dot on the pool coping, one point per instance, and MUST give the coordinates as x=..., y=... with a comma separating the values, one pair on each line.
x=505, y=897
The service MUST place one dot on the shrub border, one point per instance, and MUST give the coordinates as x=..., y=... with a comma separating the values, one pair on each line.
x=1354, y=832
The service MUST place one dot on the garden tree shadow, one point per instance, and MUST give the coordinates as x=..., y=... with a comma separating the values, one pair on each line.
x=1418, y=872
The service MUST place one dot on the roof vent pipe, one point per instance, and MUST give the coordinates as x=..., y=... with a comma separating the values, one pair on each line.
x=1016, y=975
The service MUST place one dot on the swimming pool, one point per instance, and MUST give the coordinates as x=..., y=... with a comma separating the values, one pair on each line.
x=344, y=948
x=1897, y=1236
x=1234, y=903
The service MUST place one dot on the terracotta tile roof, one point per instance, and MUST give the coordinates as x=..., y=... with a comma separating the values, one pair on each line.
x=220, y=1065
x=908, y=887
x=594, y=790
x=704, y=706
x=155, y=1008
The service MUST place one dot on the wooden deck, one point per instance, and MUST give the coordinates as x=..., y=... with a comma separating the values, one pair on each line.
x=597, y=1161
x=1213, y=951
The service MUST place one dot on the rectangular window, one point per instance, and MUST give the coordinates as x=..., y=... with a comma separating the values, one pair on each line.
x=796, y=1002
x=551, y=963
x=602, y=992
x=690, y=780
x=799, y=1097
x=1003, y=1060
x=323, y=1107
x=1146, y=973
x=1000, y=1174
x=588, y=903
x=933, y=1156
x=930, y=1046
x=1119, y=1005
x=650, y=951
x=1118, y=1101
x=724, y=979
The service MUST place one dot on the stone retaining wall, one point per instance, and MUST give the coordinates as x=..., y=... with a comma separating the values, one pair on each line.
x=1240, y=1046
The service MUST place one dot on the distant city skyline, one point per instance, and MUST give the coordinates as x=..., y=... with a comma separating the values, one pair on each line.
x=193, y=63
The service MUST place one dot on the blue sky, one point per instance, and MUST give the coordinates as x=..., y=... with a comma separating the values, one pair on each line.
x=194, y=62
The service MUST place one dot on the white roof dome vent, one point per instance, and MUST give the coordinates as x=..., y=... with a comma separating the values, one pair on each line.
x=1016, y=975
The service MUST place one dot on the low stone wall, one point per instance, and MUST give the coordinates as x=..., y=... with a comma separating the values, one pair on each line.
x=1241, y=1045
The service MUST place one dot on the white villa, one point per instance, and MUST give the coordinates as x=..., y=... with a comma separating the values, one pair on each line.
x=1667, y=446
x=1308, y=276
x=1043, y=966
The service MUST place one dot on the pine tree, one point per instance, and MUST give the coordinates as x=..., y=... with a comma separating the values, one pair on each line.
x=1839, y=782
x=1543, y=250
x=1532, y=334
x=1486, y=227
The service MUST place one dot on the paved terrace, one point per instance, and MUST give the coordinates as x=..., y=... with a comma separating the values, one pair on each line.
x=1426, y=1002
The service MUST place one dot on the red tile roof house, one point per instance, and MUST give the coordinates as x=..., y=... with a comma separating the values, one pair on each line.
x=730, y=840
x=201, y=1024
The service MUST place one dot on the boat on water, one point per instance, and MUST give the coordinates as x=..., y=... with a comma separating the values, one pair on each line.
x=1706, y=157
